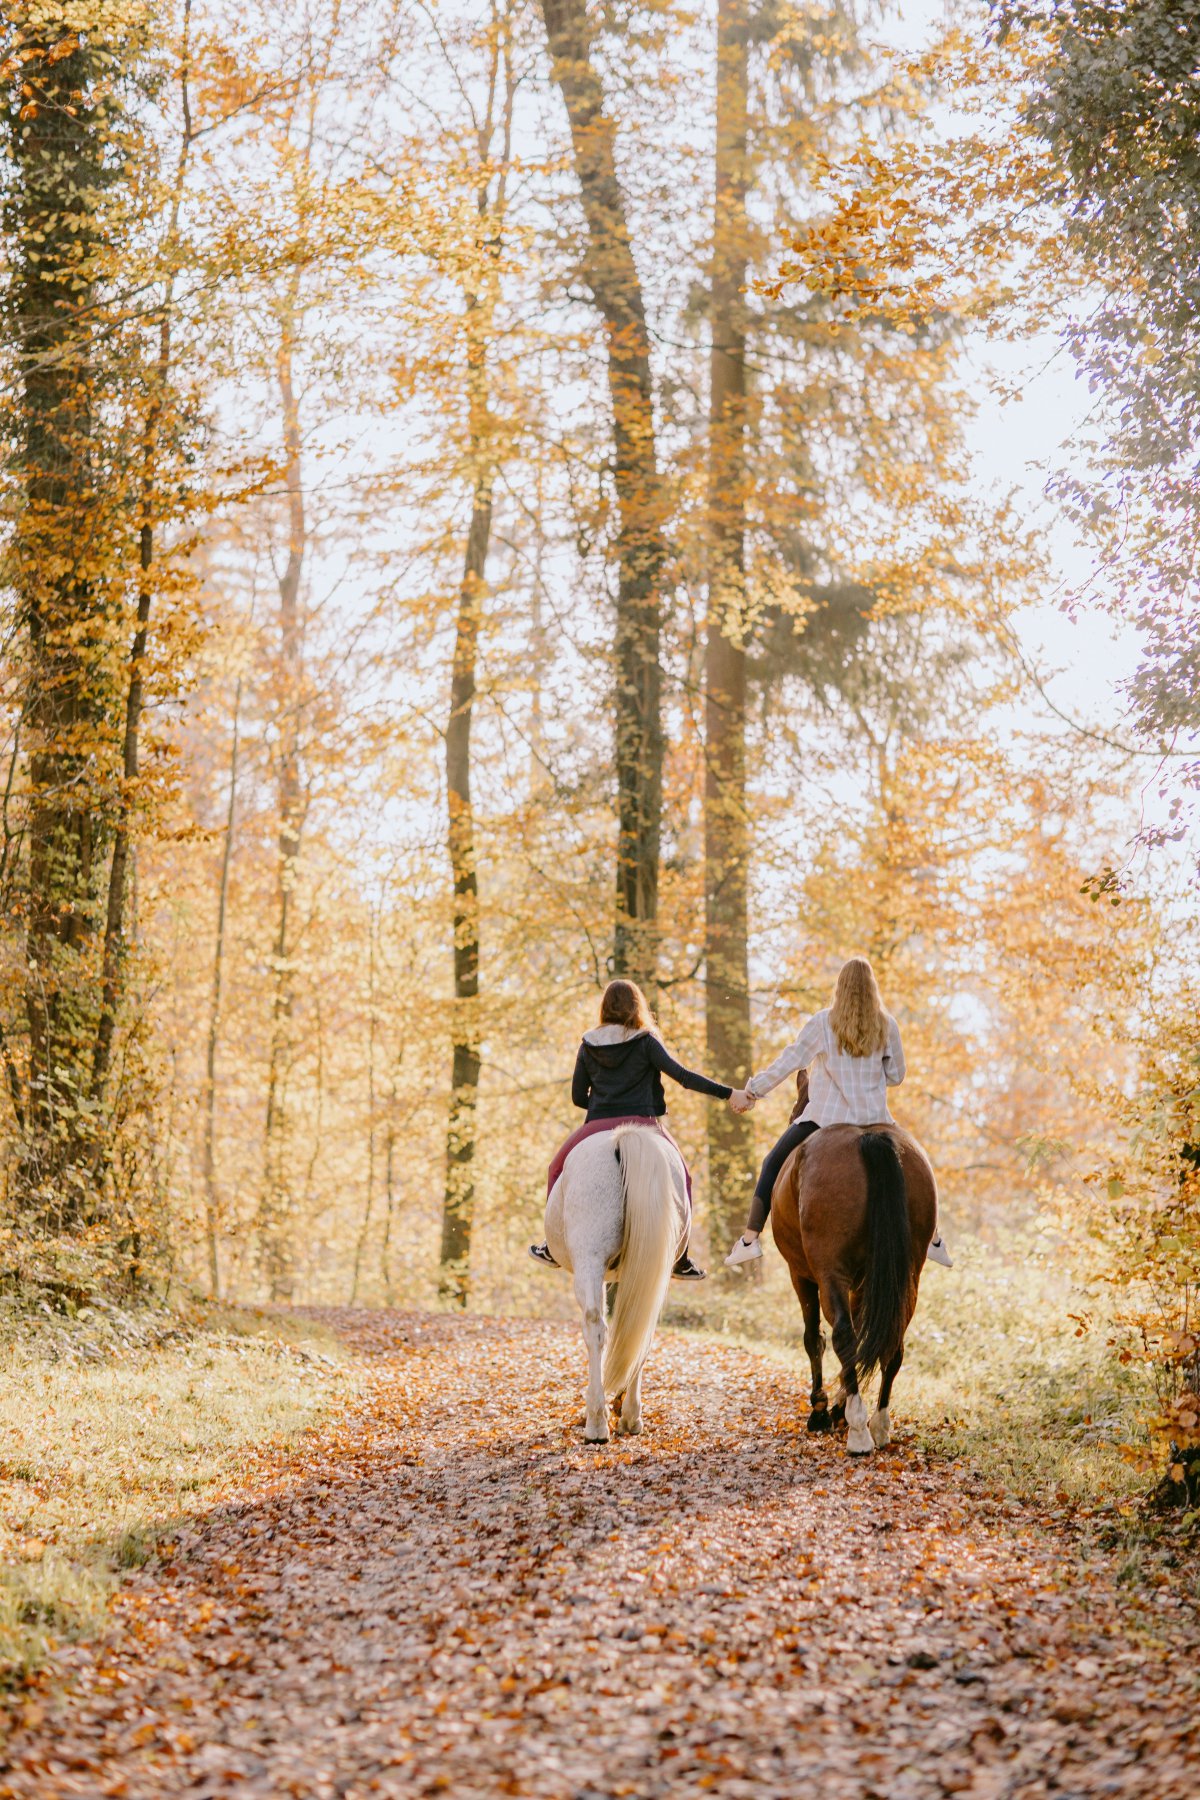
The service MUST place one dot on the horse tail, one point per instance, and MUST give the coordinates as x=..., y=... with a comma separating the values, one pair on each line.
x=885, y=1301
x=648, y=1242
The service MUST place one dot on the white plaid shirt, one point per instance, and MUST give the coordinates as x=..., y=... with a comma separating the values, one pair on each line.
x=842, y=1090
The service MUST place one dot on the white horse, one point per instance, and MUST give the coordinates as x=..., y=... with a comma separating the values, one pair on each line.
x=620, y=1208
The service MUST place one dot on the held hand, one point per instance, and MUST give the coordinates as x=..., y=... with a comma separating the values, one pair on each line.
x=741, y=1101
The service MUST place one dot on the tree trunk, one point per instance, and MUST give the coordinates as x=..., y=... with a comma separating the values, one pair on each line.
x=726, y=835
x=389, y=1190
x=274, y=1220
x=212, y=1211
x=115, y=933
x=118, y=874
x=360, y=1248
x=611, y=273
x=389, y=1180
x=56, y=146
x=458, y=1205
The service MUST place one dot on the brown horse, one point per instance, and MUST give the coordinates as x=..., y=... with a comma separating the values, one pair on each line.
x=853, y=1212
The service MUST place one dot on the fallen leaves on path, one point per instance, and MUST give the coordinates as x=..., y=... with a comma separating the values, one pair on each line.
x=450, y=1592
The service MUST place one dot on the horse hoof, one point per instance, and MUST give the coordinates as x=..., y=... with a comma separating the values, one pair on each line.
x=630, y=1427
x=819, y=1419
x=880, y=1427
x=595, y=1437
x=859, y=1442
x=837, y=1416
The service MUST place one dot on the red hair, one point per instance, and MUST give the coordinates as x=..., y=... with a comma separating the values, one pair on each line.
x=623, y=1003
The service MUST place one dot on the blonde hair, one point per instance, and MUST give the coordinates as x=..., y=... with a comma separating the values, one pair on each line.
x=856, y=1017
x=623, y=1003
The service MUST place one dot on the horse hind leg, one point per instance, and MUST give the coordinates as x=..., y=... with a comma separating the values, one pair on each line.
x=859, y=1440
x=630, y=1422
x=880, y=1423
x=589, y=1292
x=814, y=1344
x=845, y=1347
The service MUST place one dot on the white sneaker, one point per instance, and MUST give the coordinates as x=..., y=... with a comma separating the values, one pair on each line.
x=744, y=1252
x=938, y=1252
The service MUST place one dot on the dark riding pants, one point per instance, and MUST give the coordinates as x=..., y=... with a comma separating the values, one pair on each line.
x=760, y=1206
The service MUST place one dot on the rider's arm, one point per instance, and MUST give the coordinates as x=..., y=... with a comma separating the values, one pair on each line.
x=581, y=1085
x=893, y=1056
x=797, y=1056
x=665, y=1063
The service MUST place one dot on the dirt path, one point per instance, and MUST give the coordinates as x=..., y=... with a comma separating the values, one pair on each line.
x=451, y=1593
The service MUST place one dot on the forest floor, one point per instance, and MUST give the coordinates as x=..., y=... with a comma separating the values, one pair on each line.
x=443, y=1589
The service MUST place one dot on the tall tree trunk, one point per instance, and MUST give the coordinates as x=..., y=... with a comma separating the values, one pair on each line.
x=389, y=1177
x=611, y=273
x=318, y=1110
x=212, y=1210
x=10, y=842
x=389, y=1190
x=56, y=145
x=726, y=836
x=115, y=929
x=458, y=1204
x=274, y=1218
x=361, y=1246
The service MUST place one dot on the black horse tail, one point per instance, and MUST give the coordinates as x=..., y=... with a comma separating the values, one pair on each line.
x=885, y=1301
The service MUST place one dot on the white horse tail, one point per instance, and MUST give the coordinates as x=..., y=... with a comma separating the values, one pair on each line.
x=648, y=1245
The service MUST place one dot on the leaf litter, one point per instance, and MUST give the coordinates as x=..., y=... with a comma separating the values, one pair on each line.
x=448, y=1591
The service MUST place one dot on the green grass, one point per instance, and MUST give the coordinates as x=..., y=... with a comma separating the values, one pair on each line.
x=995, y=1377
x=116, y=1422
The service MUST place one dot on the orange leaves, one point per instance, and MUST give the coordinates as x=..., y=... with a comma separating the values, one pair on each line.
x=1178, y=1346
x=934, y=223
x=451, y=1594
x=66, y=46
x=35, y=53
x=1181, y=1419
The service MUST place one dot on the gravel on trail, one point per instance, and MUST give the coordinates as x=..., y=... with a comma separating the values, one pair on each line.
x=445, y=1590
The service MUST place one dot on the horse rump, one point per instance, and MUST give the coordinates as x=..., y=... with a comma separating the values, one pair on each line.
x=648, y=1242
x=887, y=1297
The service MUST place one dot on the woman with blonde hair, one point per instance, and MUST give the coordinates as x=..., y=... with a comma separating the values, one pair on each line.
x=853, y=1055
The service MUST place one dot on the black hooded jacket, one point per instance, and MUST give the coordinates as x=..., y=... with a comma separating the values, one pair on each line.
x=618, y=1075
